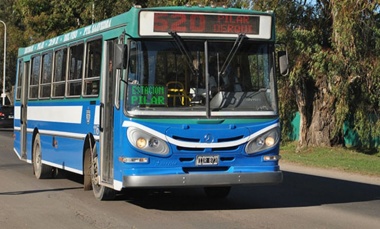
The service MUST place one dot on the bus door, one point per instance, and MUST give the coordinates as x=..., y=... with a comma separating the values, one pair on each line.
x=23, y=86
x=107, y=116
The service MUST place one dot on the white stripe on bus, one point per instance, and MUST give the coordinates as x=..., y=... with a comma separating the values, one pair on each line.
x=59, y=114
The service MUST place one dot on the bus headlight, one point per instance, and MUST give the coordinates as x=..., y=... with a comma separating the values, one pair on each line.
x=147, y=142
x=263, y=141
x=141, y=143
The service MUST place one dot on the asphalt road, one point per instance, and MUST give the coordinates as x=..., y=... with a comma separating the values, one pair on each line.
x=308, y=198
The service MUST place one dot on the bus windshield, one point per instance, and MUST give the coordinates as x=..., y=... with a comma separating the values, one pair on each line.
x=195, y=78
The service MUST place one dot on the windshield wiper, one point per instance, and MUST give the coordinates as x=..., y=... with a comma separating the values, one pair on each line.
x=231, y=55
x=184, y=52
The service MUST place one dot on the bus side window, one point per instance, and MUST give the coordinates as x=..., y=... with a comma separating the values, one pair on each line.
x=60, y=64
x=75, y=72
x=93, y=67
x=19, y=78
x=45, y=85
x=34, y=78
x=92, y=88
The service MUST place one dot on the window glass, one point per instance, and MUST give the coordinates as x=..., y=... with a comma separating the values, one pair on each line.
x=217, y=76
x=34, y=78
x=93, y=67
x=76, y=67
x=45, y=87
x=20, y=78
x=59, y=73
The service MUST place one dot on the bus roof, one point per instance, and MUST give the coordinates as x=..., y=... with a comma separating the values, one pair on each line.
x=134, y=29
x=207, y=9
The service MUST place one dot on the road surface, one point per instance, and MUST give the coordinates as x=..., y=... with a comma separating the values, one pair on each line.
x=308, y=198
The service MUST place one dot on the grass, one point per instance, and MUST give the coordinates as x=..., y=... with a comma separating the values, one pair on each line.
x=340, y=158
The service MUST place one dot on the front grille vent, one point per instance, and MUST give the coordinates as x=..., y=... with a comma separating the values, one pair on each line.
x=230, y=139
x=179, y=138
x=205, y=169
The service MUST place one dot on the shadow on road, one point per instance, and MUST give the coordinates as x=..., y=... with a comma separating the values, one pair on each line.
x=15, y=193
x=297, y=190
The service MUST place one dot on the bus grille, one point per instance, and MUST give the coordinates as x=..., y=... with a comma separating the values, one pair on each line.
x=205, y=169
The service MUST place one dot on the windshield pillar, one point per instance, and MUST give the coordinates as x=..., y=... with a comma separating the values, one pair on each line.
x=207, y=74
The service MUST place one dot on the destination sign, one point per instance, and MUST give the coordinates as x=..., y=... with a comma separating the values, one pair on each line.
x=160, y=23
x=148, y=95
x=201, y=23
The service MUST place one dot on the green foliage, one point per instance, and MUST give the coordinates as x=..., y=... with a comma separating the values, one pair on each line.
x=334, y=48
x=12, y=21
x=45, y=19
x=168, y=3
x=354, y=57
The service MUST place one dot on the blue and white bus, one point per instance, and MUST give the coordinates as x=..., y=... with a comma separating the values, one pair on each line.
x=155, y=97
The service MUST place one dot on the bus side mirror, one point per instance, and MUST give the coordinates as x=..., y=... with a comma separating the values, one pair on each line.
x=283, y=62
x=121, y=53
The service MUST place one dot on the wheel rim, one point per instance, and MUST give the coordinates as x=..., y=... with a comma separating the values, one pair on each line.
x=37, y=158
x=94, y=173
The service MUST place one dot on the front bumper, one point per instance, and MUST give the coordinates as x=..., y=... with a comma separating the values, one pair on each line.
x=202, y=179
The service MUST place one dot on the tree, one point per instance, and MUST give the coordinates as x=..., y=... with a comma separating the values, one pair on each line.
x=335, y=76
x=14, y=28
x=334, y=79
x=354, y=76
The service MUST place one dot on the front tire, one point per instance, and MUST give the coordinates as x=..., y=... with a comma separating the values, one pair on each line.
x=41, y=171
x=100, y=192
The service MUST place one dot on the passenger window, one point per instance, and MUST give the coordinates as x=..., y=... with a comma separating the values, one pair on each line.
x=19, y=78
x=45, y=86
x=34, y=78
x=76, y=68
x=59, y=79
x=93, y=67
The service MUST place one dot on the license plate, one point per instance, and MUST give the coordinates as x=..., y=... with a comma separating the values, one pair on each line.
x=207, y=160
x=10, y=116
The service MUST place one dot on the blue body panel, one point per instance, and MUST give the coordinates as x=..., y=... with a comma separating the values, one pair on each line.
x=181, y=160
x=61, y=142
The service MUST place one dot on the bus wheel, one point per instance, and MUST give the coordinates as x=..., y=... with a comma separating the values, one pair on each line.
x=217, y=192
x=100, y=192
x=41, y=171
